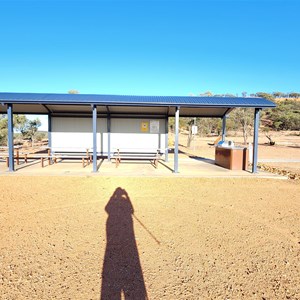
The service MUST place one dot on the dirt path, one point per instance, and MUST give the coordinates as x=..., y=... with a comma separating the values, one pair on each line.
x=175, y=238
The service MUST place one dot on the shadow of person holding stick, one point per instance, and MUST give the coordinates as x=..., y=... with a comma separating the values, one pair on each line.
x=122, y=275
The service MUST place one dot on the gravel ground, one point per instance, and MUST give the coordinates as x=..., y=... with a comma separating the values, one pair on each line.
x=138, y=238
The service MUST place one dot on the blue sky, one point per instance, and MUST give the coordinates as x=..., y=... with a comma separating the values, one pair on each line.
x=149, y=47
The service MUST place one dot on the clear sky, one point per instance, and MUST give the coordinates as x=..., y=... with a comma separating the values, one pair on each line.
x=150, y=47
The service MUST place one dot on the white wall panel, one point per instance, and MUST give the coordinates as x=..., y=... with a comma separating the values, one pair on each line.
x=77, y=133
x=125, y=135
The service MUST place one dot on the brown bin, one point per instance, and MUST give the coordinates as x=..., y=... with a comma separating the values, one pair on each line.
x=235, y=158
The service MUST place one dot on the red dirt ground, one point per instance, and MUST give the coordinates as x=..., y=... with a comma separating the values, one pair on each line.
x=157, y=238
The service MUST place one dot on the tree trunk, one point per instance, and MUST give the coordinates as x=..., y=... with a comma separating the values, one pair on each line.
x=190, y=137
x=245, y=133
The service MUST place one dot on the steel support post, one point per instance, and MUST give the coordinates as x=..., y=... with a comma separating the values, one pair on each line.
x=224, y=127
x=49, y=131
x=108, y=137
x=11, y=160
x=167, y=139
x=255, y=140
x=94, y=138
x=176, y=140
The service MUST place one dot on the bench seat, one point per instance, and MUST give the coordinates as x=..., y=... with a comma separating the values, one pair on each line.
x=85, y=157
x=153, y=157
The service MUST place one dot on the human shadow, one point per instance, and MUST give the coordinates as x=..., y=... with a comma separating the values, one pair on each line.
x=122, y=272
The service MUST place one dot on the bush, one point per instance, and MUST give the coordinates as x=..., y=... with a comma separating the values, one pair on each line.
x=286, y=116
x=40, y=136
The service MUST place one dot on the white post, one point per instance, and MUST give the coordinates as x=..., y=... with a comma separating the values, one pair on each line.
x=176, y=140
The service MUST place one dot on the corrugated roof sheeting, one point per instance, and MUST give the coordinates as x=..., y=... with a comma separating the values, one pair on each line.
x=68, y=104
x=188, y=101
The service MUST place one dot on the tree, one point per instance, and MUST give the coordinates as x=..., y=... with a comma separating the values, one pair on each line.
x=295, y=95
x=278, y=94
x=3, y=130
x=73, y=92
x=207, y=94
x=286, y=116
x=191, y=136
x=265, y=95
x=244, y=117
x=18, y=122
x=30, y=128
x=230, y=95
x=268, y=135
x=208, y=126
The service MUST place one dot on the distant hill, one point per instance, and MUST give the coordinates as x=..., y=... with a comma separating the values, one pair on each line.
x=287, y=99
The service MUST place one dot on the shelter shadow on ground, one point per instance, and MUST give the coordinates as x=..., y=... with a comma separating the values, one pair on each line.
x=122, y=273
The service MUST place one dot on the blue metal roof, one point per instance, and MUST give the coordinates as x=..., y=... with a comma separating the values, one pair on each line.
x=125, y=100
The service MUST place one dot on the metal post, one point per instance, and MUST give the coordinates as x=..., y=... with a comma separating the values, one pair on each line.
x=94, y=138
x=49, y=131
x=176, y=140
x=167, y=139
x=11, y=160
x=255, y=140
x=108, y=137
x=224, y=127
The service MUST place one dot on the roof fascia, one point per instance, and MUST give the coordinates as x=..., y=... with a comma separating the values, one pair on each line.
x=269, y=104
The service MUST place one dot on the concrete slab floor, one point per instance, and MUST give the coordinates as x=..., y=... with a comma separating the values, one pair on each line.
x=188, y=167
